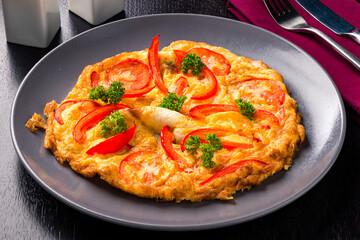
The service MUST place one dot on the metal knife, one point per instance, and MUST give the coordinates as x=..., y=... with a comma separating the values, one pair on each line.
x=330, y=19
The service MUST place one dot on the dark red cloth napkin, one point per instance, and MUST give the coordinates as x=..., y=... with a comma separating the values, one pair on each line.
x=343, y=73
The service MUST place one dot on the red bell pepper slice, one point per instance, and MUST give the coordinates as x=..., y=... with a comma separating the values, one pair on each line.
x=92, y=118
x=179, y=58
x=202, y=111
x=180, y=86
x=210, y=91
x=219, y=133
x=113, y=144
x=153, y=57
x=85, y=107
x=216, y=62
x=232, y=168
x=167, y=138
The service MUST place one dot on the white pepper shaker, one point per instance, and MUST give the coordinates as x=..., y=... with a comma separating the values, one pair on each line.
x=96, y=11
x=31, y=22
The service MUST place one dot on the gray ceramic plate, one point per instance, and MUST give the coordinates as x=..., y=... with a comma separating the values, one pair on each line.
x=55, y=75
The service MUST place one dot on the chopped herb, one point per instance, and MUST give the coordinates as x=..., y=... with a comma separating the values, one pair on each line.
x=193, y=145
x=98, y=93
x=113, y=124
x=192, y=62
x=173, y=102
x=246, y=108
x=112, y=95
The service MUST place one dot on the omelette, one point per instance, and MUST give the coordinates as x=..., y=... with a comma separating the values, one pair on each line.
x=189, y=122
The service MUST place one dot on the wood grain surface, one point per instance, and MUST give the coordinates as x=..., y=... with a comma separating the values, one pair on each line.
x=331, y=210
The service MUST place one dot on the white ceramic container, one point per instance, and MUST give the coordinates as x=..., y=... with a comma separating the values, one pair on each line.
x=96, y=11
x=31, y=22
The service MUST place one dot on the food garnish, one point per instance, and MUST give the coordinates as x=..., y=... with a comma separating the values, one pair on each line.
x=213, y=144
x=113, y=124
x=112, y=95
x=246, y=108
x=173, y=102
x=92, y=119
x=192, y=62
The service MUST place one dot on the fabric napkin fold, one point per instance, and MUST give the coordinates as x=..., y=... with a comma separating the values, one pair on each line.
x=343, y=73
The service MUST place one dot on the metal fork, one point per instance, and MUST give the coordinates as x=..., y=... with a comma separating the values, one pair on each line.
x=288, y=18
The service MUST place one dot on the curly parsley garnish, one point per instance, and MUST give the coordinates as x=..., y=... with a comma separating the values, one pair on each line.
x=173, y=102
x=193, y=144
x=192, y=62
x=113, y=94
x=113, y=124
x=246, y=108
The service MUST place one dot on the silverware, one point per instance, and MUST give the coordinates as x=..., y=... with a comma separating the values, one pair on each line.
x=330, y=19
x=287, y=17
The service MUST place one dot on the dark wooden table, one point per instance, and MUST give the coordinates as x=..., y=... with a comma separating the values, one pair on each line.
x=331, y=210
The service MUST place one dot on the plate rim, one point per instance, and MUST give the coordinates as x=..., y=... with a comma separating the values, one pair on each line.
x=149, y=226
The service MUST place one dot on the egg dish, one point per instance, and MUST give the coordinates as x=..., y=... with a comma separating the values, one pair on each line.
x=190, y=122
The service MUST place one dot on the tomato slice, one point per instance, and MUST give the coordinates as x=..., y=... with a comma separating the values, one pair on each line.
x=265, y=90
x=180, y=86
x=113, y=144
x=202, y=111
x=133, y=73
x=92, y=118
x=216, y=62
x=95, y=79
x=144, y=167
x=232, y=168
x=219, y=133
x=85, y=107
x=266, y=115
x=153, y=57
x=167, y=138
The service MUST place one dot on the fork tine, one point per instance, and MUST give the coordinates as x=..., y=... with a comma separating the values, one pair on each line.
x=279, y=7
x=287, y=5
x=270, y=7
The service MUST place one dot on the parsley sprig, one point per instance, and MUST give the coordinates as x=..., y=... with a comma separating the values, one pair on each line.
x=173, y=102
x=192, y=62
x=193, y=144
x=113, y=94
x=113, y=124
x=246, y=108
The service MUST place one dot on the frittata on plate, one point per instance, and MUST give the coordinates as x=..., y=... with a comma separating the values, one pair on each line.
x=189, y=122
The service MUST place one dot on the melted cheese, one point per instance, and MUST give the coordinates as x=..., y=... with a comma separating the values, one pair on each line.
x=273, y=144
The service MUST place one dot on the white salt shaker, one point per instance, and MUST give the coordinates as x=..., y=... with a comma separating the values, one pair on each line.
x=31, y=22
x=96, y=11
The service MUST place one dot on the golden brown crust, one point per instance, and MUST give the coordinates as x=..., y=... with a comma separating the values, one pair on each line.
x=35, y=122
x=275, y=146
